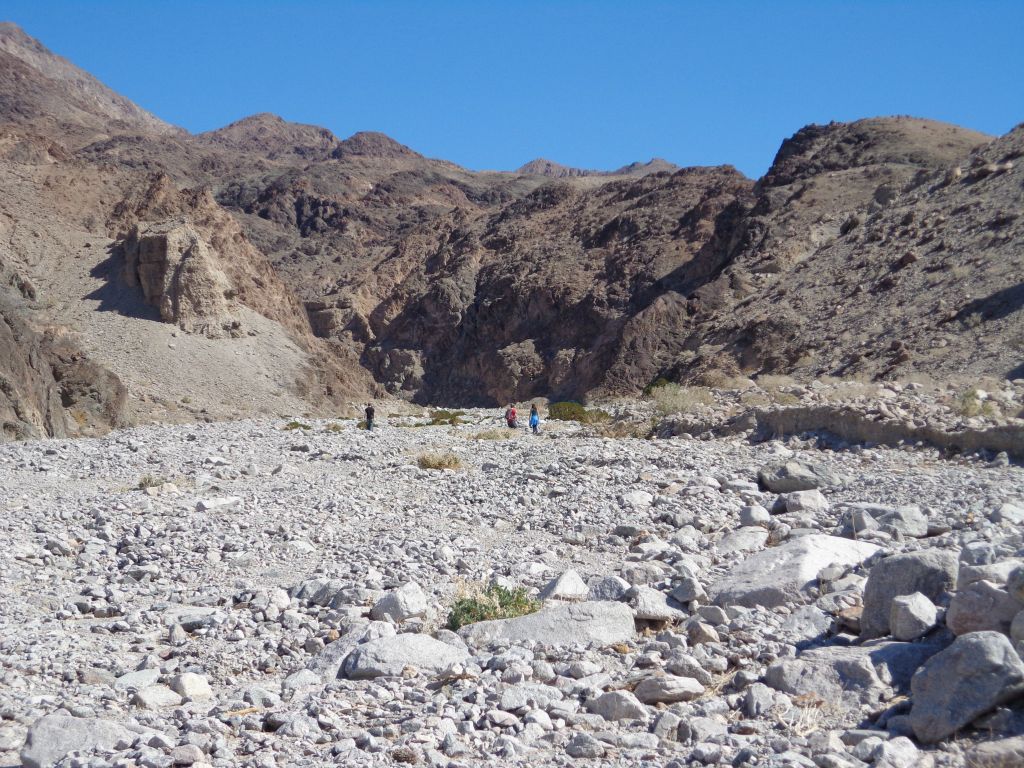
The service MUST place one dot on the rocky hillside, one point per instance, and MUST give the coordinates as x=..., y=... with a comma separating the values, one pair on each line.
x=341, y=268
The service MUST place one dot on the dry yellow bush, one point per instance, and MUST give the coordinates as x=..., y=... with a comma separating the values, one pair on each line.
x=438, y=460
x=674, y=398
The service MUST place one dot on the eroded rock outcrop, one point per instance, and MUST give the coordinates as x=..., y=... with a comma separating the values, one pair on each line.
x=180, y=275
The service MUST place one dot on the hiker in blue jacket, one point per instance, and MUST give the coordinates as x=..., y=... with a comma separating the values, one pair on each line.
x=534, y=419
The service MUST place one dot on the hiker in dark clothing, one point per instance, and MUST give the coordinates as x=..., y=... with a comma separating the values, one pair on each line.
x=369, y=416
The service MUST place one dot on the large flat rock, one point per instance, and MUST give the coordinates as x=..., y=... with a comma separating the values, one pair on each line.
x=851, y=675
x=391, y=656
x=783, y=574
x=52, y=737
x=795, y=475
x=589, y=623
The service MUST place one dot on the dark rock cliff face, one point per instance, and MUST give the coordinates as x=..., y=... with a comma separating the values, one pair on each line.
x=30, y=403
x=48, y=388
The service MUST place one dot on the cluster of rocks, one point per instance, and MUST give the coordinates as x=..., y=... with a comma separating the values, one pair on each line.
x=281, y=597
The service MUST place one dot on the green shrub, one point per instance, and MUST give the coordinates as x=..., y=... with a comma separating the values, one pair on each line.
x=447, y=460
x=970, y=404
x=569, y=411
x=442, y=418
x=494, y=602
x=296, y=425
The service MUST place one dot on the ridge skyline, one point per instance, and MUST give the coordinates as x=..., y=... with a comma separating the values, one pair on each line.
x=556, y=92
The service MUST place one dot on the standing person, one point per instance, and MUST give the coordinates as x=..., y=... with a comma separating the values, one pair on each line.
x=534, y=419
x=370, y=413
x=511, y=417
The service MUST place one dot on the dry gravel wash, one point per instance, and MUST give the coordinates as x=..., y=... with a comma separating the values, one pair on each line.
x=206, y=621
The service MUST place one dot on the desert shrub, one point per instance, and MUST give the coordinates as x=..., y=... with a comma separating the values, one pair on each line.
x=674, y=398
x=150, y=481
x=493, y=602
x=785, y=398
x=775, y=385
x=971, y=404
x=569, y=411
x=443, y=418
x=493, y=434
x=438, y=460
x=661, y=381
x=721, y=380
x=296, y=425
x=333, y=427
x=755, y=399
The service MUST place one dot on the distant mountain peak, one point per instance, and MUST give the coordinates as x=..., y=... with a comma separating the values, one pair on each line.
x=272, y=136
x=543, y=167
x=373, y=144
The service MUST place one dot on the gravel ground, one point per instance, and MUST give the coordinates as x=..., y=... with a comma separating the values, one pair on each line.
x=260, y=552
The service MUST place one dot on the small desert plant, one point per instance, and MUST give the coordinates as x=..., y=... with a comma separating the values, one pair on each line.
x=753, y=398
x=970, y=403
x=493, y=602
x=773, y=382
x=150, y=481
x=674, y=398
x=441, y=418
x=721, y=380
x=493, y=434
x=809, y=719
x=333, y=427
x=296, y=425
x=437, y=460
x=569, y=411
x=785, y=398
x=661, y=381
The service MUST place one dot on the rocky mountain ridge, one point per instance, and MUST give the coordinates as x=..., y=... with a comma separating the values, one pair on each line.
x=543, y=167
x=888, y=247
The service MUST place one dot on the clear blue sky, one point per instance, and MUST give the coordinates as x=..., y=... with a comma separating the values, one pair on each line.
x=597, y=84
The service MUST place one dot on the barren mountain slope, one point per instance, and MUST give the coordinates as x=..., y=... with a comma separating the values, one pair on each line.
x=844, y=275
x=39, y=88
